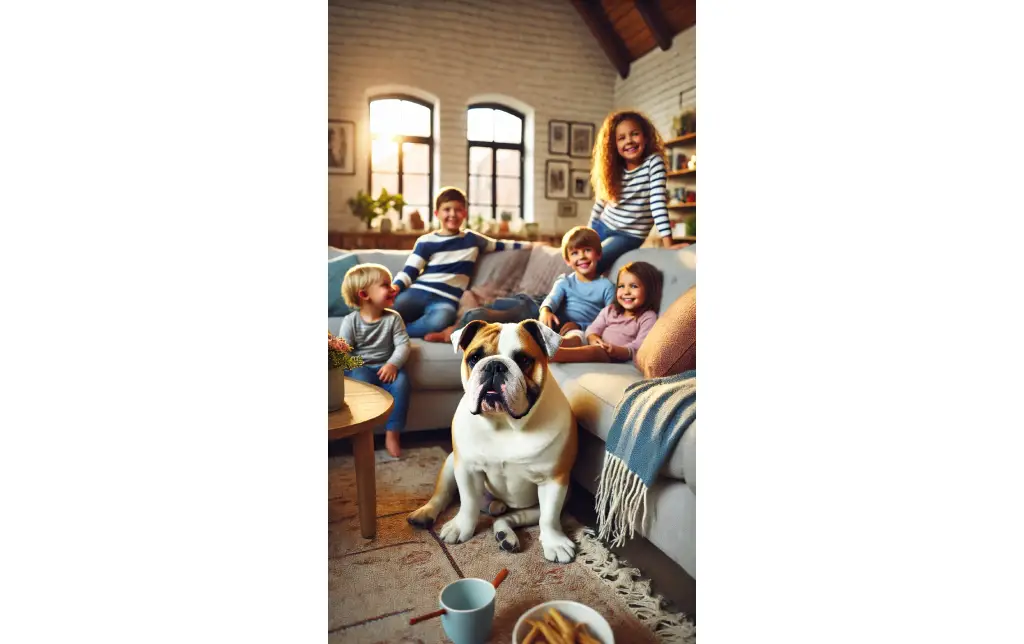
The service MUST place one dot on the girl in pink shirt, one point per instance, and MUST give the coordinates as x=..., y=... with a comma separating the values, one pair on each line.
x=620, y=327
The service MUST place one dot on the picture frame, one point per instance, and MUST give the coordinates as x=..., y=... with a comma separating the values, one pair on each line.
x=556, y=179
x=581, y=140
x=341, y=147
x=558, y=137
x=579, y=184
x=566, y=209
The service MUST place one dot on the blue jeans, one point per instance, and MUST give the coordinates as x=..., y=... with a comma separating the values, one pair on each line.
x=504, y=309
x=613, y=246
x=424, y=312
x=398, y=388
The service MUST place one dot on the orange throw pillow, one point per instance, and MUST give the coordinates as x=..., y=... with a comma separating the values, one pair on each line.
x=671, y=346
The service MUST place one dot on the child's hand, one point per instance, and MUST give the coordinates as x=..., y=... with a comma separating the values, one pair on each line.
x=387, y=373
x=596, y=341
x=548, y=318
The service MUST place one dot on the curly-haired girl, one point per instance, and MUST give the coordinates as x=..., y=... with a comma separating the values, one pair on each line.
x=629, y=181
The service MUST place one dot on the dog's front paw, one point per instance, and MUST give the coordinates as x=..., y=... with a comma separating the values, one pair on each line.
x=424, y=517
x=458, y=530
x=506, y=537
x=558, y=547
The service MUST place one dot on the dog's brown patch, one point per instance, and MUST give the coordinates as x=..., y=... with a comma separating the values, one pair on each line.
x=487, y=337
x=540, y=359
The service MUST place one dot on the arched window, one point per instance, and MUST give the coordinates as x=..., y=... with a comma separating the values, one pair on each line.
x=496, y=153
x=401, y=155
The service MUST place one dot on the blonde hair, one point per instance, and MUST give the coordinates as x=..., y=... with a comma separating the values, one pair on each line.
x=359, y=277
x=606, y=175
x=580, y=237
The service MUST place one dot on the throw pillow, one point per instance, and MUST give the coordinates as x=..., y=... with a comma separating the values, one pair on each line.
x=336, y=269
x=500, y=272
x=671, y=346
x=546, y=264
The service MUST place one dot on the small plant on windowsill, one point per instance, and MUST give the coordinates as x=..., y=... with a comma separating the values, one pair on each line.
x=367, y=208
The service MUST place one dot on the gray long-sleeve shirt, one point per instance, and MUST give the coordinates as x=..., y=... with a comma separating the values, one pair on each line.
x=383, y=341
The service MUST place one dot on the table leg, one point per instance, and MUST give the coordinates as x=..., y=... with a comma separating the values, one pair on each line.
x=366, y=482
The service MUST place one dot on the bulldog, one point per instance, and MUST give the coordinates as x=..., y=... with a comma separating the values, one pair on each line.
x=513, y=436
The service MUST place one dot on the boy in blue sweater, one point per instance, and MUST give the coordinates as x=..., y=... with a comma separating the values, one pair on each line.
x=576, y=299
x=440, y=267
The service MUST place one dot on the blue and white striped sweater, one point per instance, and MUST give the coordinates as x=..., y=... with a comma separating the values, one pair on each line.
x=642, y=205
x=443, y=264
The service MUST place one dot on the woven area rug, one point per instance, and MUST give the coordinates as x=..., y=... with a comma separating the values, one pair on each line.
x=376, y=585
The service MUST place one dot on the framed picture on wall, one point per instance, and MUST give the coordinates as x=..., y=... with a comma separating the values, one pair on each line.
x=579, y=184
x=556, y=183
x=558, y=137
x=341, y=147
x=581, y=140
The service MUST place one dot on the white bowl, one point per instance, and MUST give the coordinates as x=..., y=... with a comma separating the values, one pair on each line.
x=575, y=612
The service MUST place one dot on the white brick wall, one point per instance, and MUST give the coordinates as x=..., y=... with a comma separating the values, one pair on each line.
x=537, y=52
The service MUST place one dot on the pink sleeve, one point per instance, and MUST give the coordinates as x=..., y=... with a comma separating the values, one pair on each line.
x=647, y=321
x=599, y=324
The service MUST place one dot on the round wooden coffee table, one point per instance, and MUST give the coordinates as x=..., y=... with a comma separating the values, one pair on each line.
x=366, y=407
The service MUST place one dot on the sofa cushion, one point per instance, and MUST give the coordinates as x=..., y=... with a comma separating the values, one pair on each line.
x=671, y=346
x=545, y=265
x=336, y=269
x=500, y=273
x=678, y=269
x=434, y=365
x=594, y=390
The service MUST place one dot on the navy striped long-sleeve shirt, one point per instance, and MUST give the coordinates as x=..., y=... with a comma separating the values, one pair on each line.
x=443, y=264
x=642, y=205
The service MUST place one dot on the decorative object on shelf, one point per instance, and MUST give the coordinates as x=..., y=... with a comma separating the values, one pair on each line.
x=692, y=163
x=367, y=208
x=557, y=184
x=415, y=220
x=506, y=217
x=581, y=188
x=532, y=230
x=678, y=197
x=558, y=137
x=339, y=360
x=385, y=225
x=685, y=123
x=691, y=196
x=581, y=140
x=341, y=147
x=566, y=209
x=477, y=221
x=680, y=161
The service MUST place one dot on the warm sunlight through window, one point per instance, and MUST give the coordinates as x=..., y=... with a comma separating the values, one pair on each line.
x=401, y=153
x=392, y=117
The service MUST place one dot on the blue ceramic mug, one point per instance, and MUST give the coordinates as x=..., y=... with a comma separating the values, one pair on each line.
x=469, y=610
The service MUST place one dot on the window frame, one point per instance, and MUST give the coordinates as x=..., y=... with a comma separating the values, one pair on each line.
x=404, y=138
x=495, y=146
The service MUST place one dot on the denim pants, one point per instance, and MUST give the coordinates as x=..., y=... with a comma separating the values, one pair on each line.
x=398, y=388
x=614, y=245
x=424, y=312
x=504, y=309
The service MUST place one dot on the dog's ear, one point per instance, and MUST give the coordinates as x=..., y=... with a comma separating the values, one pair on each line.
x=462, y=337
x=548, y=339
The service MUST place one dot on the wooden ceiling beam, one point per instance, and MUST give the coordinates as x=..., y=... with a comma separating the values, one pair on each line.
x=655, y=21
x=597, y=20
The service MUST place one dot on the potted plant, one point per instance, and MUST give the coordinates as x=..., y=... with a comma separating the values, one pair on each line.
x=506, y=217
x=367, y=208
x=339, y=360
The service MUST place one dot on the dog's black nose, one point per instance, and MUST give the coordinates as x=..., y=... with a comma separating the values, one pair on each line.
x=496, y=366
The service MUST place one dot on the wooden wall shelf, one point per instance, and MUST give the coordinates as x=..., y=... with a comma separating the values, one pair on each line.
x=686, y=139
x=684, y=206
x=681, y=173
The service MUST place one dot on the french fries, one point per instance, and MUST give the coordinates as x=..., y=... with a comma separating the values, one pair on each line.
x=555, y=628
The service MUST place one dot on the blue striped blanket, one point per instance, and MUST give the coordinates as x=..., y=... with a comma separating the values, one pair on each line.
x=648, y=423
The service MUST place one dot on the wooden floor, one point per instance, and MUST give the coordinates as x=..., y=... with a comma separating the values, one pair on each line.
x=667, y=578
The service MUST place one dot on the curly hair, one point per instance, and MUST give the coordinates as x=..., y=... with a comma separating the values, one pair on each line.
x=606, y=175
x=651, y=278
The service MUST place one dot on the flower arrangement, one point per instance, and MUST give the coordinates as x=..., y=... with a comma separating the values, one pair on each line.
x=339, y=354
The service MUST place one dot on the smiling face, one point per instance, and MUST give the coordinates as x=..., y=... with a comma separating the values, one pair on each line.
x=584, y=260
x=630, y=292
x=380, y=295
x=504, y=366
x=630, y=142
x=451, y=214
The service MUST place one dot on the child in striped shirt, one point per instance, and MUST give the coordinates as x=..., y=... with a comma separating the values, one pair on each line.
x=629, y=181
x=440, y=267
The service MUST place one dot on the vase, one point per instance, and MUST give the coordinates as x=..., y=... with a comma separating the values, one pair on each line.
x=335, y=389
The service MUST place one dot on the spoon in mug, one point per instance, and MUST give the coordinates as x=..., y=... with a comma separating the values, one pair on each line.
x=437, y=613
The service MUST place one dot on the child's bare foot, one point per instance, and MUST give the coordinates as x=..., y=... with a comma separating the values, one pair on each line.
x=392, y=443
x=444, y=335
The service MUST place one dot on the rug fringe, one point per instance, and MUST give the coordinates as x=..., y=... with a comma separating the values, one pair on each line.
x=669, y=628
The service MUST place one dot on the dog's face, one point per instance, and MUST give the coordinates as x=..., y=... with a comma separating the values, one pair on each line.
x=505, y=366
